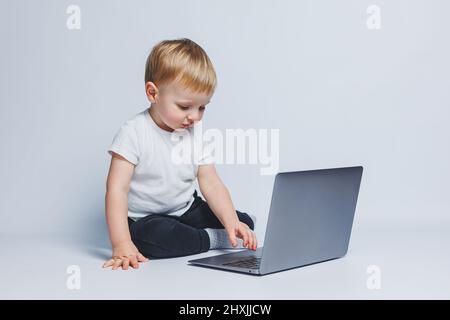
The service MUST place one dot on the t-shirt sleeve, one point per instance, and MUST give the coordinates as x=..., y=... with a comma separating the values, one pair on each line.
x=126, y=144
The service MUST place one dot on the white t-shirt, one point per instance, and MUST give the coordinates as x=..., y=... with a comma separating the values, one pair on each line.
x=160, y=183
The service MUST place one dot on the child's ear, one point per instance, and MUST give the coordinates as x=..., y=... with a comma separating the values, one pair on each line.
x=151, y=91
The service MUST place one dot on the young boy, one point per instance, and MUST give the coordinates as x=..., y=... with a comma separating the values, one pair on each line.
x=152, y=207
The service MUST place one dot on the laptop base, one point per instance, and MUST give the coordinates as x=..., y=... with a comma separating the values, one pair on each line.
x=228, y=261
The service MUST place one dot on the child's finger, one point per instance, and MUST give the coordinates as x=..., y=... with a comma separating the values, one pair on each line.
x=117, y=263
x=108, y=263
x=254, y=240
x=141, y=258
x=134, y=262
x=125, y=264
x=244, y=237
x=250, y=239
x=233, y=239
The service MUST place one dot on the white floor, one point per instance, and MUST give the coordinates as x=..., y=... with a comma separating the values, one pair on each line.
x=413, y=264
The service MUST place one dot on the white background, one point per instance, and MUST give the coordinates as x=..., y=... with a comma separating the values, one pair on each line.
x=340, y=94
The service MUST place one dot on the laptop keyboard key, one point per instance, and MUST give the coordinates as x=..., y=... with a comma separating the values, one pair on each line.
x=250, y=263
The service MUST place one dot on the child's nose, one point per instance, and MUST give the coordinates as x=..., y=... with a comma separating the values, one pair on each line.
x=194, y=116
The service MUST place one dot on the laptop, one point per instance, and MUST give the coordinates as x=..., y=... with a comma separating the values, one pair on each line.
x=310, y=221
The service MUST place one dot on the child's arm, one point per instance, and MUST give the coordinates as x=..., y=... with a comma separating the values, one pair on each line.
x=219, y=200
x=125, y=252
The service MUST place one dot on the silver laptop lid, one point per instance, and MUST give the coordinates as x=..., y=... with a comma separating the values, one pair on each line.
x=310, y=218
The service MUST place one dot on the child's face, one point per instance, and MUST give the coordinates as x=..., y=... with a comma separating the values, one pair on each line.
x=175, y=107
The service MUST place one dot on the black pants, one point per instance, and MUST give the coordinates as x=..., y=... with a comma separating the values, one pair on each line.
x=164, y=236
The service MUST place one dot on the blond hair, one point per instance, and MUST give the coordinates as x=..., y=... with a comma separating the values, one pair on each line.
x=182, y=61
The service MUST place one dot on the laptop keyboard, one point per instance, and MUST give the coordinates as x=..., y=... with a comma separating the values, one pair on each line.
x=249, y=263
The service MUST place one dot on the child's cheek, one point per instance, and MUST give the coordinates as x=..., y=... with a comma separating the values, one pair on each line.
x=175, y=118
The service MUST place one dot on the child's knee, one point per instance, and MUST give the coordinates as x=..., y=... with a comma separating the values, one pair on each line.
x=245, y=218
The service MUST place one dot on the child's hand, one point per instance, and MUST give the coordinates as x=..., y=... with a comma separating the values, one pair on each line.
x=124, y=255
x=242, y=231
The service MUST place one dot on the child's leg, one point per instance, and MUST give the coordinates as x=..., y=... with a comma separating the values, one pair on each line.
x=201, y=216
x=161, y=236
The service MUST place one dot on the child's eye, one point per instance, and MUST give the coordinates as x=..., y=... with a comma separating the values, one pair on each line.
x=183, y=108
